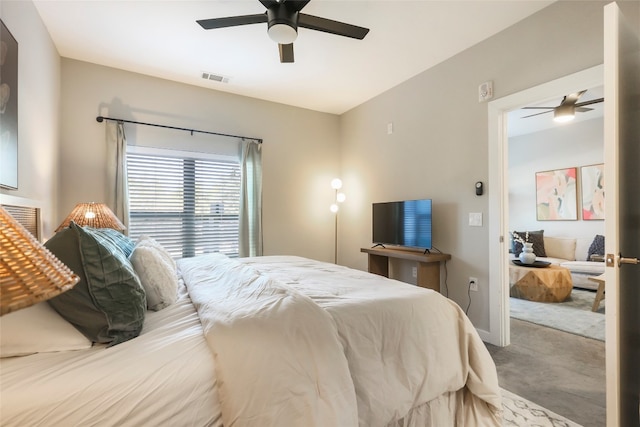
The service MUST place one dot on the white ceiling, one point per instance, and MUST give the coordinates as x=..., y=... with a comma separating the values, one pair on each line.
x=331, y=73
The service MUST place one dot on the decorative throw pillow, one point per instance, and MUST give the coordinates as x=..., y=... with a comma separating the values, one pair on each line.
x=145, y=240
x=597, y=247
x=116, y=238
x=38, y=329
x=157, y=272
x=108, y=305
x=556, y=247
x=535, y=237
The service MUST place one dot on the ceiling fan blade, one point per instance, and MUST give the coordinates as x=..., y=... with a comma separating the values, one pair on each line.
x=286, y=52
x=332, y=27
x=572, y=98
x=583, y=109
x=590, y=102
x=232, y=21
x=538, y=108
x=537, y=114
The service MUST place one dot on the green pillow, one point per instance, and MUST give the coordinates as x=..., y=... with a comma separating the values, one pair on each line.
x=108, y=305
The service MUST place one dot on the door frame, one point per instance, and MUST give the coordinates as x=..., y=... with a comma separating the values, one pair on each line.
x=499, y=328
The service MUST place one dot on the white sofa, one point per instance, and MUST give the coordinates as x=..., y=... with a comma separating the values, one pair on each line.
x=572, y=253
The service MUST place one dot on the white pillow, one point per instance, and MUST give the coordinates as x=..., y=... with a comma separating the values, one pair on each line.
x=556, y=247
x=38, y=329
x=151, y=242
x=157, y=273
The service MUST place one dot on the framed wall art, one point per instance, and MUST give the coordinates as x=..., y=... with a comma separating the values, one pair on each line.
x=8, y=109
x=556, y=195
x=592, y=180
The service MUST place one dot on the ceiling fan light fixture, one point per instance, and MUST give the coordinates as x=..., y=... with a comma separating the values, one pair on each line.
x=564, y=113
x=282, y=33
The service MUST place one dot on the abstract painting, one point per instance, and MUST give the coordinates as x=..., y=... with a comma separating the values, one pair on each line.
x=556, y=195
x=8, y=109
x=592, y=178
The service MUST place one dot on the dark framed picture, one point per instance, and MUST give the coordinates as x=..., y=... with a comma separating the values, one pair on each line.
x=8, y=109
x=556, y=195
x=592, y=192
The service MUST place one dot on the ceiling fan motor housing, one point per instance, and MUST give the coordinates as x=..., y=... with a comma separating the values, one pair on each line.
x=564, y=112
x=282, y=24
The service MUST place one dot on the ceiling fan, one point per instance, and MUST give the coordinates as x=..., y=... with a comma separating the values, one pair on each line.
x=567, y=109
x=283, y=18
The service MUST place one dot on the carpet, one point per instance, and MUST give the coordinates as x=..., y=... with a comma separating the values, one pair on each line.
x=573, y=316
x=520, y=412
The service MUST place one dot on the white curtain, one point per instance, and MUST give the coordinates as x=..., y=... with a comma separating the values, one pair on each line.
x=118, y=194
x=251, y=199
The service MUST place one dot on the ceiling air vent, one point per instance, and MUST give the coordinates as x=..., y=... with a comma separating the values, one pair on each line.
x=215, y=77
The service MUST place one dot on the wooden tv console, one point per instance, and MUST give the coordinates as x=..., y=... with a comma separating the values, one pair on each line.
x=428, y=264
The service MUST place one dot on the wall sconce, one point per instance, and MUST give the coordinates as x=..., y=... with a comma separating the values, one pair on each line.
x=340, y=197
x=96, y=215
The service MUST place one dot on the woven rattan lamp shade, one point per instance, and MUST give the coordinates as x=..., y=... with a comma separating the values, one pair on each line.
x=96, y=215
x=29, y=273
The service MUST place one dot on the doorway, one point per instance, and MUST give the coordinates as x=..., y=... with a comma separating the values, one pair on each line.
x=499, y=225
x=498, y=199
x=541, y=150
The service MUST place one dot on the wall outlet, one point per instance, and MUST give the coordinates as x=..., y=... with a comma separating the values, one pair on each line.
x=473, y=284
x=414, y=271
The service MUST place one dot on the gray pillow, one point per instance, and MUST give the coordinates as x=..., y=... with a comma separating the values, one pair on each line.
x=596, y=247
x=535, y=237
x=108, y=305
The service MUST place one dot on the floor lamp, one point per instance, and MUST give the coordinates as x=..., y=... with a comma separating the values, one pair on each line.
x=336, y=184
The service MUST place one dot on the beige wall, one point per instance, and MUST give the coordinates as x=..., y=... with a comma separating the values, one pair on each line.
x=300, y=148
x=439, y=147
x=38, y=111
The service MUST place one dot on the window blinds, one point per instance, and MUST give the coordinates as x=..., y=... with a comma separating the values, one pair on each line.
x=188, y=204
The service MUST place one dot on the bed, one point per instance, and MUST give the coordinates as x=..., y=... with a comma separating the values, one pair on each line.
x=264, y=341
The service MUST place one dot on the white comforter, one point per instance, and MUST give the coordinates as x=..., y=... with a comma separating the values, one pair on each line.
x=300, y=342
x=164, y=377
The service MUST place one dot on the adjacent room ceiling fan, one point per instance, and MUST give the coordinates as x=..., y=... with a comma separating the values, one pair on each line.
x=283, y=18
x=567, y=109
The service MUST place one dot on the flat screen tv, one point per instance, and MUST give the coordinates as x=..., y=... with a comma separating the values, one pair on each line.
x=403, y=223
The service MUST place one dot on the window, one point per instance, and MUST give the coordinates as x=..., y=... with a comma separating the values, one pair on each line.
x=189, y=202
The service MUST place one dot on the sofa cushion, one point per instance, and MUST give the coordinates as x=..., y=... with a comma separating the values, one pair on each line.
x=564, y=248
x=588, y=267
x=582, y=247
x=535, y=237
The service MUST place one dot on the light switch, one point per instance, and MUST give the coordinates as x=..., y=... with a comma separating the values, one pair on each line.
x=475, y=219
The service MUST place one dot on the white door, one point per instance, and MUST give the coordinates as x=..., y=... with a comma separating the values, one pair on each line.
x=622, y=192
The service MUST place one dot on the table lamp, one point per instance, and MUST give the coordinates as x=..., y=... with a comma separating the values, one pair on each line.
x=29, y=273
x=96, y=215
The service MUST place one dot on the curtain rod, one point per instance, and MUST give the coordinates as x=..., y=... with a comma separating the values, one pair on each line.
x=100, y=119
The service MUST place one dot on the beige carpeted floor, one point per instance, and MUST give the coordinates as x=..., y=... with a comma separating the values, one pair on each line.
x=562, y=372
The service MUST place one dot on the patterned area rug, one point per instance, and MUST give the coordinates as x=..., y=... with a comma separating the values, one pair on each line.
x=520, y=412
x=573, y=316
